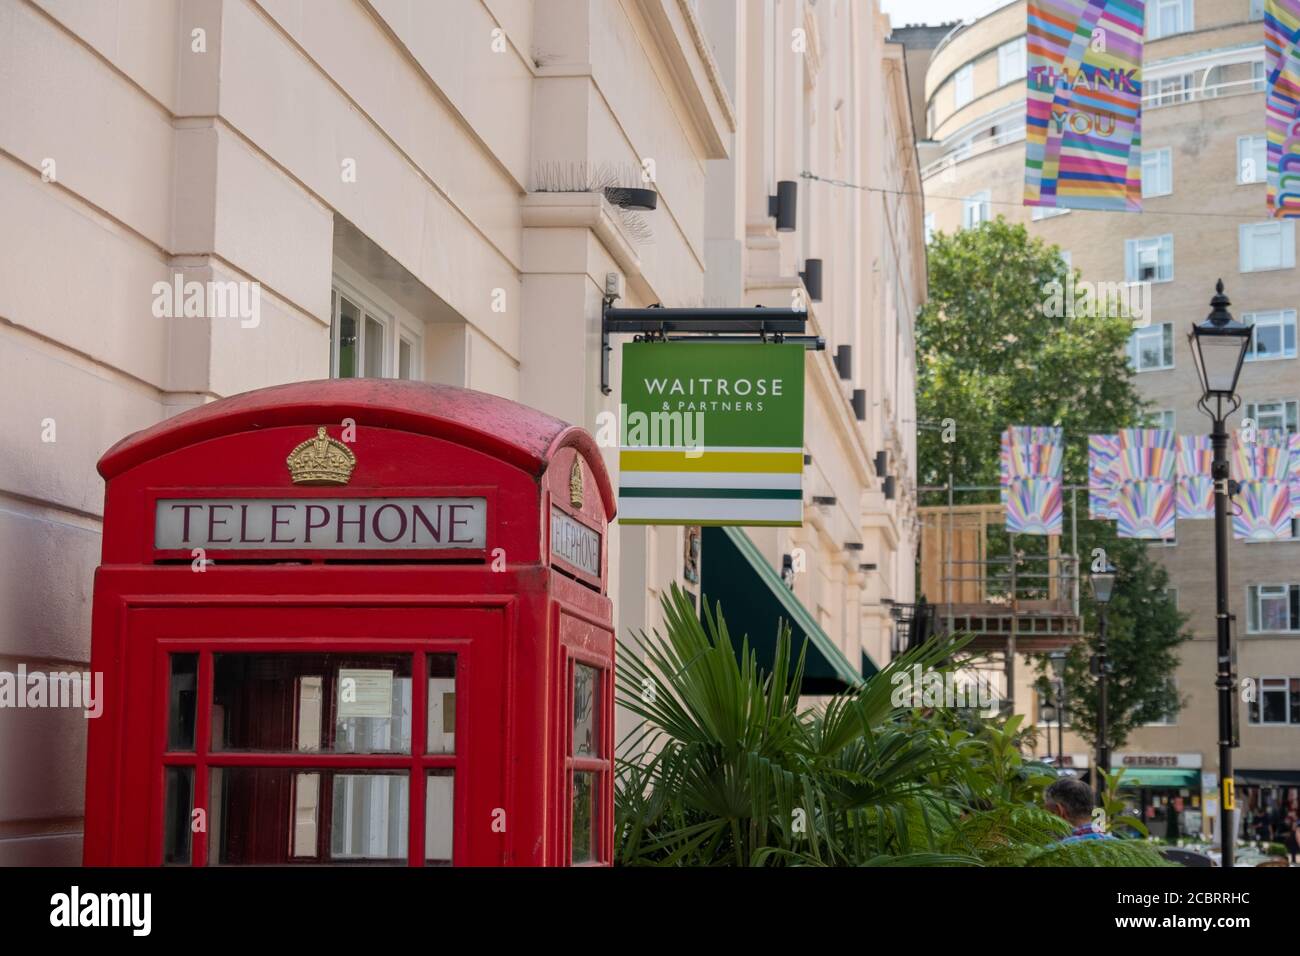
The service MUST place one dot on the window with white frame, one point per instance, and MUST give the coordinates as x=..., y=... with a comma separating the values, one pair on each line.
x=367, y=341
x=1264, y=246
x=1274, y=335
x=1039, y=213
x=1165, y=18
x=1272, y=608
x=1259, y=77
x=975, y=209
x=1163, y=419
x=964, y=85
x=1257, y=9
x=1150, y=259
x=1157, y=172
x=1252, y=159
x=1011, y=61
x=1170, y=718
x=1169, y=90
x=929, y=227
x=1152, y=348
x=1276, y=701
x=1277, y=415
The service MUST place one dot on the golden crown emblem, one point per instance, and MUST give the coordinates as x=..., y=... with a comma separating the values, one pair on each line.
x=321, y=461
x=575, y=483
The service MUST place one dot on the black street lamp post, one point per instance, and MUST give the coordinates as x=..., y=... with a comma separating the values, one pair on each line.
x=1060, y=721
x=1219, y=346
x=1103, y=585
x=1058, y=668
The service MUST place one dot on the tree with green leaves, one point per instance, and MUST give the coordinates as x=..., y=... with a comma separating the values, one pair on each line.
x=1009, y=337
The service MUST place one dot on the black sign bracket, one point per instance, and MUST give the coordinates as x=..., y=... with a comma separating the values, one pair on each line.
x=657, y=324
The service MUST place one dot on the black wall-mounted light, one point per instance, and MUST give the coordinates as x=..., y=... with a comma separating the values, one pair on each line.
x=852, y=545
x=867, y=567
x=882, y=462
x=825, y=500
x=787, y=571
x=628, y=197
x=891, y=487
x=812, y=278
x=860, y=404
x=783, y=206
x=807, y=459
x=844, y=361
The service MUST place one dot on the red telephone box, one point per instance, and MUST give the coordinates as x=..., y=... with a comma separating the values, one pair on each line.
x=353, y=621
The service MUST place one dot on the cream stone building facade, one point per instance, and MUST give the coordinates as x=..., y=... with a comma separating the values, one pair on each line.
x=414, y=189
x=1204, y=217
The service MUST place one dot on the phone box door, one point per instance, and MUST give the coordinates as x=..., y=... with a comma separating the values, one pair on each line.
x=312, y=734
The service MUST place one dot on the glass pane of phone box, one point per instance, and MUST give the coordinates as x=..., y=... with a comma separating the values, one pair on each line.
x=295, y=703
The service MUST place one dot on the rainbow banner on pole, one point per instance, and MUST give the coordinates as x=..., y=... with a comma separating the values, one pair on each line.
x=1282, y=106
x=1145, y=496
x=1293, y=474
x=1083, y=123
x=1263, y=468
x=1102, y=452
x=1195, y=494
x=1033, y=459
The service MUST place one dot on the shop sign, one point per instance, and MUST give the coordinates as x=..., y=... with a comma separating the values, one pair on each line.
x=1148, y=761
x=711, y=434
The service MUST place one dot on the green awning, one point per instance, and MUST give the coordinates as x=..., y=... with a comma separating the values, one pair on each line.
x=1160, y=777
x=869, y=668
x=753, y=599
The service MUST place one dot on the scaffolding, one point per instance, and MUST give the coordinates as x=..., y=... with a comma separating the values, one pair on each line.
x=1015, y=594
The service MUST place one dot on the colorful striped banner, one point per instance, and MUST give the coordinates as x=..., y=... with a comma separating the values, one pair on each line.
x=1145, y=509
x=1032, y=459
x=1083, y=123
x=1195, y=495
x=1102, y=452
x=1266, y=458
x=1282, y=106
x=1035, y=506
x=1133, y=477
x=1263, y=511
x=1293, y=442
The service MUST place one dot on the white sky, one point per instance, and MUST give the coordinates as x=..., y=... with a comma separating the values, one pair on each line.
x=903, y=12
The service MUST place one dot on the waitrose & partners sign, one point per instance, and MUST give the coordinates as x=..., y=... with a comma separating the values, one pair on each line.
x=711, y=434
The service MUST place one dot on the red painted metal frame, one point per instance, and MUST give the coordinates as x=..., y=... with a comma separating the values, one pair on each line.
x=516, y=629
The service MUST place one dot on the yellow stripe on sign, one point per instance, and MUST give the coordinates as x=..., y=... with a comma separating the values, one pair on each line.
x=787, y=463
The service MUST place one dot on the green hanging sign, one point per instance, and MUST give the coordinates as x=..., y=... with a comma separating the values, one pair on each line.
x=711, y=434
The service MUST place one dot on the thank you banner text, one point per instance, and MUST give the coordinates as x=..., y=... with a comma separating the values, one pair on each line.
x=1083, y=124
